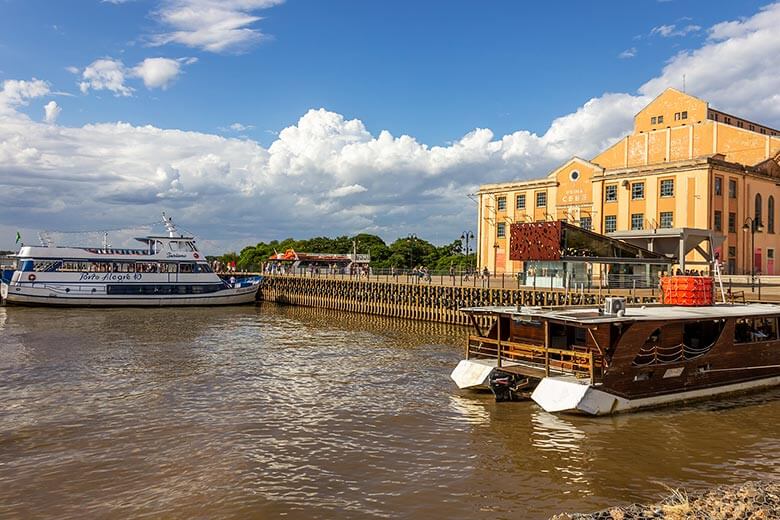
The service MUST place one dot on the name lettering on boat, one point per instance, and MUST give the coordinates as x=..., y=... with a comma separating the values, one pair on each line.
x=175, y=255
x=113, y=277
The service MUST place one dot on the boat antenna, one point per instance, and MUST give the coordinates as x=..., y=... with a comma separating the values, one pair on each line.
x=106, y=245
x=168, y=221
x=45, y=239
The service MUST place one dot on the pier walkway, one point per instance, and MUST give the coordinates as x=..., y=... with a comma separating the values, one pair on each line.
x=437, y=299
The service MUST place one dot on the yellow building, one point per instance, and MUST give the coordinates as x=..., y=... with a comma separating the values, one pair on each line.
x=685, y=165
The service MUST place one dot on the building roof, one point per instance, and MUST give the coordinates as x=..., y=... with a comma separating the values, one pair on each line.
x=652, y=312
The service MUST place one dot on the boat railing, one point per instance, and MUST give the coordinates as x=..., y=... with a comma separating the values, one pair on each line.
x=578, y=362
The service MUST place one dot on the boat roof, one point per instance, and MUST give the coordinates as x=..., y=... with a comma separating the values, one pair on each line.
x=650, y=312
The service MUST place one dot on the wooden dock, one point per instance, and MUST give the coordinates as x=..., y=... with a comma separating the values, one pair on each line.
x=420, y=301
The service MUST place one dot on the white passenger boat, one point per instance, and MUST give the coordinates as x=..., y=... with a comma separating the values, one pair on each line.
x=165, y=271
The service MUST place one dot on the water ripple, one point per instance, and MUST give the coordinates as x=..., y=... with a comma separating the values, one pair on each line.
x=282, y=411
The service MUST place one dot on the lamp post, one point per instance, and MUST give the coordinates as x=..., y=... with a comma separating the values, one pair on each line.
x=466, y=236
x=412, y=239
x=752, y=225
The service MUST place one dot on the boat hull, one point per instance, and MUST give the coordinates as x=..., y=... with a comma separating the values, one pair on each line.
x=567, y=395
x=36, y=296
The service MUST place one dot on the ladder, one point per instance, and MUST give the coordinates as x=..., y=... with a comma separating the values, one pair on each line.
x=719, y=278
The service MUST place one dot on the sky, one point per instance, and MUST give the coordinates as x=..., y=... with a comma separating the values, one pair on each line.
x=253, y=120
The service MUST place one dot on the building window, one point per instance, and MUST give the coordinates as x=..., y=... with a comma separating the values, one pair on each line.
x=763, y=130
x=667, y=219
x=637, y=221
x=586, y=223
x=740, y=124
x=676, y=116
x=541, y=199
x=770, y=214
x=653, y=120
x=667, y=188
x=732, y=251
x=660, y=119
x=718, y=185
x=757, y=215
x=727, y=120
x=638, y=190
x=753, y=127
x=732, y=222
x=501, y=203
x=770, y=253
x=732, y=189
x=610, y=224
x=500, y=230
x=520, y=202
x=718, y=221
x=685, y=114
x=610, y=193
x=574, y=175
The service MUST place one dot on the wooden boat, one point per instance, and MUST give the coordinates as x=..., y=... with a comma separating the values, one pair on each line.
x=605, y=360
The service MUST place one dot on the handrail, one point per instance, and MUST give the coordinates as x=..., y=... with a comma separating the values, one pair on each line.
x=568, y=360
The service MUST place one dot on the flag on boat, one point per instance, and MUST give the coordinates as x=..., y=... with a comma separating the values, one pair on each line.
x=18, y=237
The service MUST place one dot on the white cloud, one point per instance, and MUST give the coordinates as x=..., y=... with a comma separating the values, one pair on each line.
x=157, y=72
x=105, y=74
x=211, y=25
x=330, y=172
x=18, y=92
x=736, y=69
x=671, y=30
x=110, y=74
x=628, y=53
x=345, y=191
x=72, y=69
x=238, y=127
x=51, y=112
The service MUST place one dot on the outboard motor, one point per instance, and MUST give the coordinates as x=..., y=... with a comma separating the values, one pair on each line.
x=506, y=386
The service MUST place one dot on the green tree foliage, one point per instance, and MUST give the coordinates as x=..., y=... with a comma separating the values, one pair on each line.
x=404, y=253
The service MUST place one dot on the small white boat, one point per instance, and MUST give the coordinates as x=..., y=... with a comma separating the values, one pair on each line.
x=165, y=271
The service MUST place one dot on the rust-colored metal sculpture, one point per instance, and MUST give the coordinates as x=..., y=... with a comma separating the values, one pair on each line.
x=535, y=241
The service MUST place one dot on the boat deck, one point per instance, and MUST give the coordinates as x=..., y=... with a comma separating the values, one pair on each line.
x=591, y=315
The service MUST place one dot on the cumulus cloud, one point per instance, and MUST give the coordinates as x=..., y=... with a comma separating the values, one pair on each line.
x=51, y=112
x=157, y=72
x=211, y=25
x=105, y=74
x=19, y=92
x=110, y=74
x=330, y=173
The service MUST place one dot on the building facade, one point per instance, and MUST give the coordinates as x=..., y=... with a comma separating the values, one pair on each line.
x=685, y=165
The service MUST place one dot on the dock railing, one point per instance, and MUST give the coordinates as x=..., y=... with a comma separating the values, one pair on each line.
x=580, y=363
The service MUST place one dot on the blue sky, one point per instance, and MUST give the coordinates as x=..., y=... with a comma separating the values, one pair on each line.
x=436, y=72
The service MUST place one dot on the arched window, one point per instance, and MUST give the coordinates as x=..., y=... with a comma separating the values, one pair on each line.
x=757, y=216
x=770, y=214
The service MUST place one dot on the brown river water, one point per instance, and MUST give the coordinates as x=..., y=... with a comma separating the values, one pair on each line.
x=289, y=412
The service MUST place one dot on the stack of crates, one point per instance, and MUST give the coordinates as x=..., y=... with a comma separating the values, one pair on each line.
x=688, y=290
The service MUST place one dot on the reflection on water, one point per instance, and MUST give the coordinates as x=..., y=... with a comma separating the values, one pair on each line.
x=269, y=411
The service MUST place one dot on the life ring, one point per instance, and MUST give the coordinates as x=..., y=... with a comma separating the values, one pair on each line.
x=31, y=277
x=195, y=256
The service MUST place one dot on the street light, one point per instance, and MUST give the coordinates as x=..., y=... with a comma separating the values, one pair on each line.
x=466, y=236
x=412, y=239
x=752, y=225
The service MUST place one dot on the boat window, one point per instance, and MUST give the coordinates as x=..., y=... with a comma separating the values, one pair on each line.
x=752, y=330
x=158, y=246
x=192, y=246
x=185, y=267
x=167, y=267
x=47, y=265
x=205, y=268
